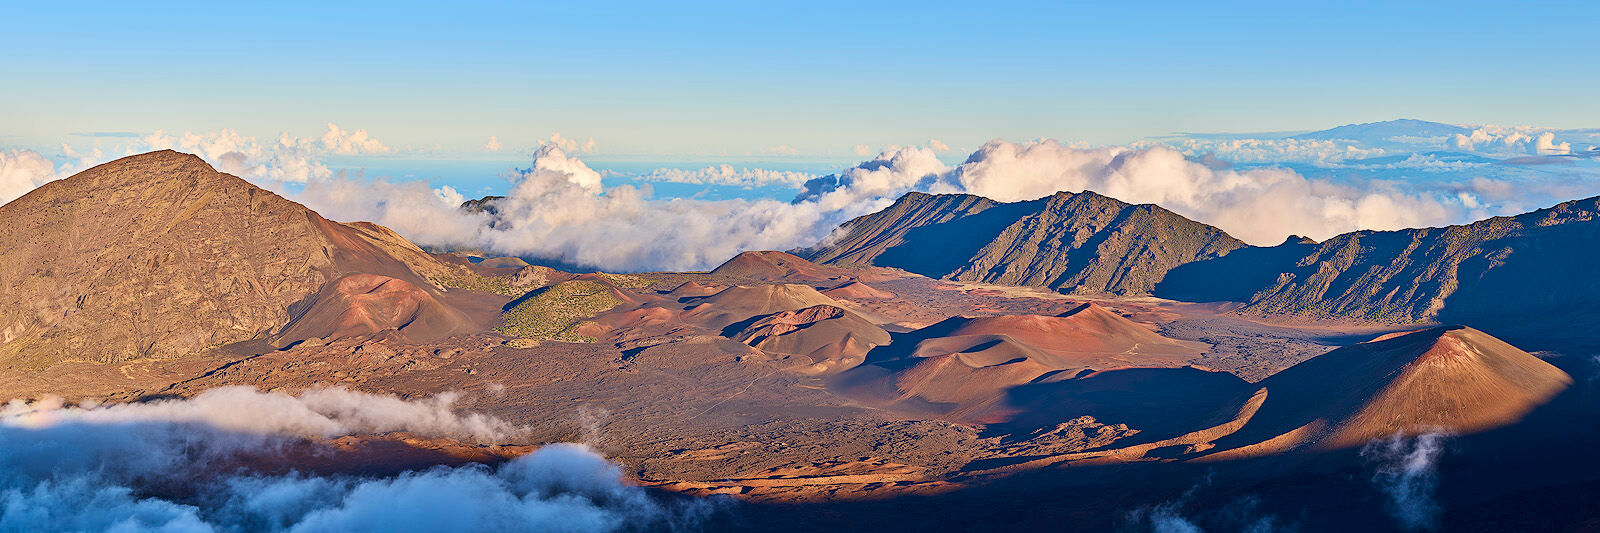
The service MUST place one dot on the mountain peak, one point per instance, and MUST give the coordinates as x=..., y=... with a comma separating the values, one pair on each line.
x=165, y=246
x=1049, y=242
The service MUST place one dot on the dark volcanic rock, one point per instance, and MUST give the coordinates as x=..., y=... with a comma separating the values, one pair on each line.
x=1527, y=268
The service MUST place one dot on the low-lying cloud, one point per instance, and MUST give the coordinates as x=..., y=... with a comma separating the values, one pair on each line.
x=728, y=175
x=172, y=465
x=1406, y=470
x=561, y=209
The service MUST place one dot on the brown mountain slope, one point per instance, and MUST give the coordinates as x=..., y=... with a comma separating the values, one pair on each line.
x=1082, y=242
x=360, y=304
x=964, y=368
x=739, y=303
x=777, y=266
x=1491, y=273
x=828, y=339
x=1452, y=379
x=159, y=255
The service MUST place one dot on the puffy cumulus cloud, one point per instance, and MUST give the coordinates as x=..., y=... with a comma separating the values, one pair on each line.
x=345, y=142
x=569, y=145
x=1507, y=140
x=493, y=145
x=426, y=215
x=1260, y=206
x=176, y=466
x=890, y=174
x=285, y=159
x=22, y=171
x=938, y=146
x=560, y=209
x=728, y=175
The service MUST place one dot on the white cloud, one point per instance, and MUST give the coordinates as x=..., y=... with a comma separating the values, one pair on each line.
x=568, y=145
x=1407, y=471
x=1260, y=206
x=22, y=171
x=1425, y=163
x=728, y=175
x=323, y=412
x=560, y=209
x=493, y=145
x=1314, y=152
x=862, y=150
x=346, y=142
x=93, y=468
x=1509, y=140
x=938, y=146
x=288, y=159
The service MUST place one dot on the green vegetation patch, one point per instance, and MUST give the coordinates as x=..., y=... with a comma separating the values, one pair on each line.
x=555, y=313
x=626, y=281
x=466, y=279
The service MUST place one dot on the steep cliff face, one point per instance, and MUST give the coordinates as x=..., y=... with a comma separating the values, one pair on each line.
x=1083, y=242
x=1090, y=243
x=863, y=240
x=159, y=255
x=1528, y=265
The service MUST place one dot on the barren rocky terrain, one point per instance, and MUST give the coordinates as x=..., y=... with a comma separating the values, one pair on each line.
x=860, y=392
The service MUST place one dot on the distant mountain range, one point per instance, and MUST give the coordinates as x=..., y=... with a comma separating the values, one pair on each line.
x=1072, y=242
x=1388, y=129
x=1488, y=272
x=1492, y=272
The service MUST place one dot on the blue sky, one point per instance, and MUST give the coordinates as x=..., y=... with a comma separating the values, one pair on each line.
x=735, y=80
x=646, y=136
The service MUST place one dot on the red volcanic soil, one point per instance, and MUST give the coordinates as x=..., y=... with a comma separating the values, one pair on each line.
x=778, y=266
x=363, y=304
x=1086, y=337
x=961, y=368
x=694, y=289
x=1452, y=379
x=738, y=303
x=828, y=339
x=856, y=290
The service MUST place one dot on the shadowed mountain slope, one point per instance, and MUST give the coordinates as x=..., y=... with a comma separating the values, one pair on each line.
x=829, y=338
x=1082, y=242
x=159, y=255
x=1452, y=379
x=962, y=368
x=1503, y=272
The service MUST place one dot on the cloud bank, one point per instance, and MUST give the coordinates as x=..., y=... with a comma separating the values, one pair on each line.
x=561, y=209
x=172, y=466
x=728, y=175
